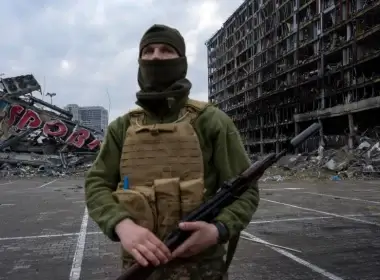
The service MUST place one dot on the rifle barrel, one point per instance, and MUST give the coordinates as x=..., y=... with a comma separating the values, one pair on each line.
x=206, y=210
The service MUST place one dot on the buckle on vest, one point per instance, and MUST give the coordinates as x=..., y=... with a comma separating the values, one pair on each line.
x=164, y=127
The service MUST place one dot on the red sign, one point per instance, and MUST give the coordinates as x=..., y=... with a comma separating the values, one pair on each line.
x=28, y=118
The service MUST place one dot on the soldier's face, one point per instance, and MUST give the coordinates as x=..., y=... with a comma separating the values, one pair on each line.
x=158, y=51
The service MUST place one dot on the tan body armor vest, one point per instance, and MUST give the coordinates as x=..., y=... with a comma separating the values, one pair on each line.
x=164, y=166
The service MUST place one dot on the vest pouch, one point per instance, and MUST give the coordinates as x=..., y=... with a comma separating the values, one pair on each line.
x=138, y=202
x=168, y=205
x=191, y=192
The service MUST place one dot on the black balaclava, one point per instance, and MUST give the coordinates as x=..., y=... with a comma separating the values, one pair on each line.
x=163, y=83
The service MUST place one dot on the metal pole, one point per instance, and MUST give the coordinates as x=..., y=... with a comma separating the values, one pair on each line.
x=51, y=96
x=109, y=101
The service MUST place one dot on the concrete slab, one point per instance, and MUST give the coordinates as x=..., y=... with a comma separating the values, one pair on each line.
x=328, y=201
x=101, y=258
x=34, y=210
x=48, y=258
x=335, y=225
x=346, y=244
x=334, y=245
x=254, y=261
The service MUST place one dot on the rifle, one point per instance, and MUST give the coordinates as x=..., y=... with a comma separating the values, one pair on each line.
x=227, y=193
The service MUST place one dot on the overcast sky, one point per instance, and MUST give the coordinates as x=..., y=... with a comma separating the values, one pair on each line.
x=83, y=49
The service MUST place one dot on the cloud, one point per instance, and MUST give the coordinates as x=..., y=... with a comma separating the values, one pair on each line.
x=81, y=49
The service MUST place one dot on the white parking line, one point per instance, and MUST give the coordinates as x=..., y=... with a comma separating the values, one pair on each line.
x=309, y=218
x=78, y=255
x=7, y=204
x=357, y=190
x=347, y=190
x=2, y=184
x=282, y=189
x=288, y=220
x=247, y=236
x=376, y=191
x=47, y=236
x=311, y=266
x=48, y=183
x=324, y=213
x=344, y=197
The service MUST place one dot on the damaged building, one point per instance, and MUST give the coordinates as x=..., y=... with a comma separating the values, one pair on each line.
x=37, y=136
x=276, y=66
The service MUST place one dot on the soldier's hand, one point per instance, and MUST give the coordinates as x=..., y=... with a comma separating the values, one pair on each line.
x=204, y=235
x=142, y=244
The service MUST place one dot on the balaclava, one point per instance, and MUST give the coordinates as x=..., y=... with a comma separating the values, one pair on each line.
x=163, y=81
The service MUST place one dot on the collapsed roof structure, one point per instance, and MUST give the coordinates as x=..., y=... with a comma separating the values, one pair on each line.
x=36, y=133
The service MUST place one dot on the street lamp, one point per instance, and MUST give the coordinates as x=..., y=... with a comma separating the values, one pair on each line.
x=51, y=94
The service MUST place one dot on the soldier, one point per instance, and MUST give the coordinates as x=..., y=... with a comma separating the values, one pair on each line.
x=159, y=162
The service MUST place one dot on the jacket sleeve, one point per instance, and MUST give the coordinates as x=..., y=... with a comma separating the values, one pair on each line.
x=230, y=159
x=102, y=180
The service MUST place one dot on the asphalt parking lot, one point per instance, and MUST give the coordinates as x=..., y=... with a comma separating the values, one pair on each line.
x=328, y=230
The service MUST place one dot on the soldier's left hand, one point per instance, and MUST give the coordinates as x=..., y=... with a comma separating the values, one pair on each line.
x=204, y=235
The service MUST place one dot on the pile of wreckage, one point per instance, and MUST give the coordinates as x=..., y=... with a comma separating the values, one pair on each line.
x=38, y=138
x=332, y=164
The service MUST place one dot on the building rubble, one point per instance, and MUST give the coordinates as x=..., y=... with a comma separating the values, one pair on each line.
x=38, y=138
x=334, y=164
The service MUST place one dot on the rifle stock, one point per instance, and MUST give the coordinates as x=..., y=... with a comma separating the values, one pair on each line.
x=228, y=193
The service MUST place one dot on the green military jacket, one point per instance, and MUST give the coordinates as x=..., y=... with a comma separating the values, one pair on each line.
x=224, y=157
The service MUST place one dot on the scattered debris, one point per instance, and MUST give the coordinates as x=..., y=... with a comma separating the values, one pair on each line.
x=38, y=138
x=362, y=162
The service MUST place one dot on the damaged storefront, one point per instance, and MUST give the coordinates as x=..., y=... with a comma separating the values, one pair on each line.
x=40, y=138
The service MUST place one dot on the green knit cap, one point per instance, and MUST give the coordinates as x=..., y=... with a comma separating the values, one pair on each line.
x=162, y=34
